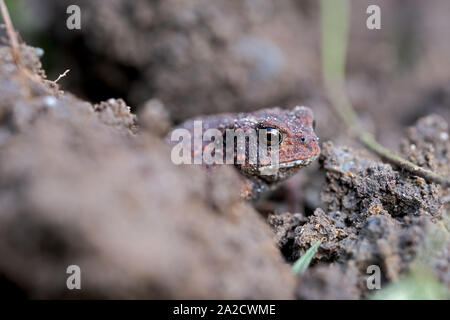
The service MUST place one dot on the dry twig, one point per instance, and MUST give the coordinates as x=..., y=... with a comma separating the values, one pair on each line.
x=348, y=116
x=334, y=20
x=61, y=76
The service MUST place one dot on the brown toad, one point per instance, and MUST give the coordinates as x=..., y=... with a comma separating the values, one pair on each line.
x=285, y=135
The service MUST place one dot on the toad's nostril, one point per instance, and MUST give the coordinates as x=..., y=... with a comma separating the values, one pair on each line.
x=316, y=139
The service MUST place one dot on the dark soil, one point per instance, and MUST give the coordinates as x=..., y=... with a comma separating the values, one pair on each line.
x=88, y=180
x=375, y=215
x=79, y=185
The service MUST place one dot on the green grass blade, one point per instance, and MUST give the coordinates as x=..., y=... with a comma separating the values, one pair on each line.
x=334, y=33
x=303, y=262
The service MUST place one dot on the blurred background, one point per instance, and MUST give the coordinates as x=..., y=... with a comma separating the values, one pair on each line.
x=203, y=57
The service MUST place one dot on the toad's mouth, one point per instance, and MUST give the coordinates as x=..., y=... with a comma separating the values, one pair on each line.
x=289, y=164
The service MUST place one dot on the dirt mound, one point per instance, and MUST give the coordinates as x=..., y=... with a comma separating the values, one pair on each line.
x=81, y=185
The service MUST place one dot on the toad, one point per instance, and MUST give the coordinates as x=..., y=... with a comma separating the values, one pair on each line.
x=286, y=138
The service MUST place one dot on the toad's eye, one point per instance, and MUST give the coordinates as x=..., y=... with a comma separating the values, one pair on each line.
x=272, y=137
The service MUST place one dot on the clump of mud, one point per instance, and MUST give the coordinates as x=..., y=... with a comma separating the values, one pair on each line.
x=375, y=215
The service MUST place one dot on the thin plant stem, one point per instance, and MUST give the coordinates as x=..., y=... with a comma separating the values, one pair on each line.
x=334, y=24
x=11, y=34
